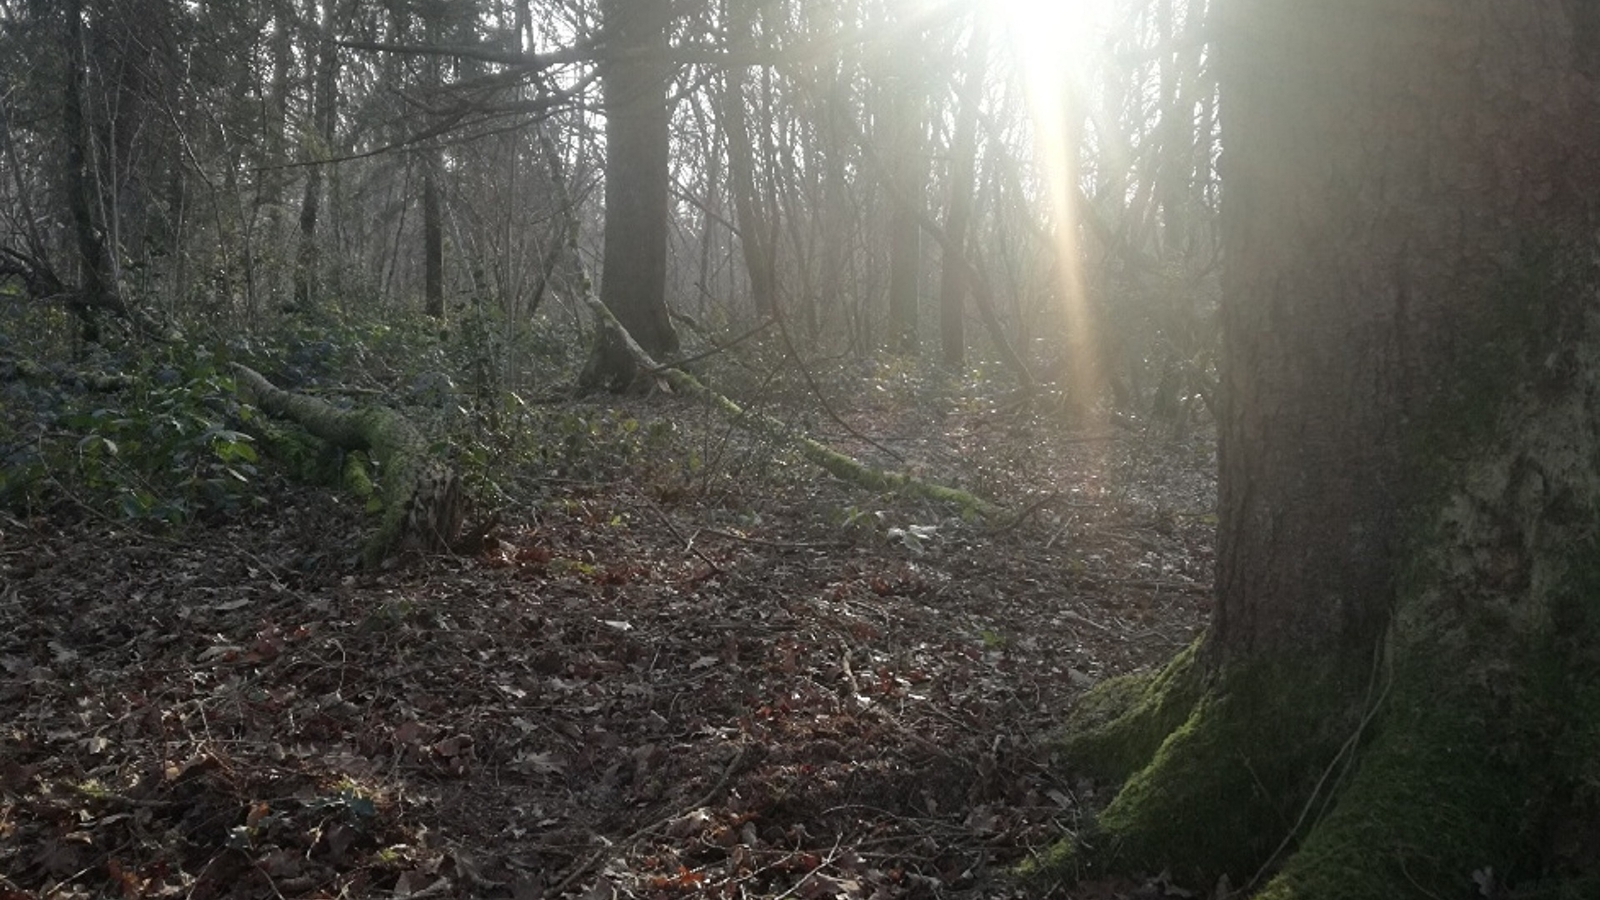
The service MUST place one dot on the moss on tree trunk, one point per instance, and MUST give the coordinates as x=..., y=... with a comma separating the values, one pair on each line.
x=1464, y=760
x=1400, y=692
x=421, y=496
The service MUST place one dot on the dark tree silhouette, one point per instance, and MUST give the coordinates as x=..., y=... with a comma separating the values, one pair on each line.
x=633, y=274
x=1399, y=692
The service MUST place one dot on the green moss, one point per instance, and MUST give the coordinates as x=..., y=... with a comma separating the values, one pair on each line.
x=393, y=443
x=1059, y=864
x=1484, y=769
x=1567, y=679
x=1223, y=790
x=1119, y=724
x=1226, y=790
x=1476, y=774
x=357, y=477
x=309, y=459
x=1427, y=807
x=1472, y=742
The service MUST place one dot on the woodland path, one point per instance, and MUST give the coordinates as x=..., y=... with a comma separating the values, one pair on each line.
x=757, y=683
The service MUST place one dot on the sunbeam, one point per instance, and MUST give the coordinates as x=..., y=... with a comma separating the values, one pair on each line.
x=1053, y=42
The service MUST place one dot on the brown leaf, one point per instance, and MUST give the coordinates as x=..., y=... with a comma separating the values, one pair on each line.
x=339, y=837
x=15, y=776
x=258, y=811
x=603, y=890
x=410, y=732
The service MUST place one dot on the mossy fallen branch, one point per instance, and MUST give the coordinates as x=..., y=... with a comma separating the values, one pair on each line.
x=421, y=496
x=826, y=458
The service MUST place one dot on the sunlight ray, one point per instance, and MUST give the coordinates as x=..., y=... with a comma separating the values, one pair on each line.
x=1053, y=43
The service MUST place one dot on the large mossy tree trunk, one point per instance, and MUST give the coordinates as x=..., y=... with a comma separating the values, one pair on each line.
x=1400, y=692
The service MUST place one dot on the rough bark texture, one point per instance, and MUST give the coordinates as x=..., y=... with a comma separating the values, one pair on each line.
x=633, y=275
x=1399, y=693
x=1390, y=168
x=422, y=505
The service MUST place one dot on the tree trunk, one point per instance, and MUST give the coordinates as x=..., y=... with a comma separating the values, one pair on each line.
x=963, y=151
x=833, y=208
x=1399, y=692
x=633, y=275
x=905, y=236
x=422, y=502
x=325, y=79
x=747, y=205
x=94, y=261
x=432, y=238
x=749, y=215
x=432, y=160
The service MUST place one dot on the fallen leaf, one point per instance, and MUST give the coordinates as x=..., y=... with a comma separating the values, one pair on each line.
x=532, y=763
x=603, y=890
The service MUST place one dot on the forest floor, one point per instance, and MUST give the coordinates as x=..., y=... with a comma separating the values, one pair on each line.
x=737, y=679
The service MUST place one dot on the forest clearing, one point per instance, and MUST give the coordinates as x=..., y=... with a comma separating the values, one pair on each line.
x=774, y=449
x=752, y=681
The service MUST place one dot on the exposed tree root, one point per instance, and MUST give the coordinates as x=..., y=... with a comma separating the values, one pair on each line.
x=1427, y=809
x=1217, y=773
x=1466, y=767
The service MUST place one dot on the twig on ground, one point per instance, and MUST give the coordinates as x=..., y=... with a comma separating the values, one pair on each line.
x=688, y=543
x=734, y=767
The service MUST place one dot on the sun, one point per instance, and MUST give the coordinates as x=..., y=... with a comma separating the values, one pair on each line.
x=1054, y=35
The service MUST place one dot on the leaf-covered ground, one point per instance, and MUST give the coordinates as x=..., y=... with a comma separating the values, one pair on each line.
x=735, y=678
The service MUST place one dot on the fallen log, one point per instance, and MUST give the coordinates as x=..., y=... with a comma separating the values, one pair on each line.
x=826, y=458
x=421, y=496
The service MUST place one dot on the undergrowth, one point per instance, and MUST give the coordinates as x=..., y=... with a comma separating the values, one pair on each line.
x=157, y=434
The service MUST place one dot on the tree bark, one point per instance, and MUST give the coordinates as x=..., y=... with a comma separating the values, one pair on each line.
x=433, y=170
x=953, y=286
x=752, y=218
x=99, y=283
x=325, y=79
x=432, y=238
x=1398, y=693
x=633, y=275
x=904, y=137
